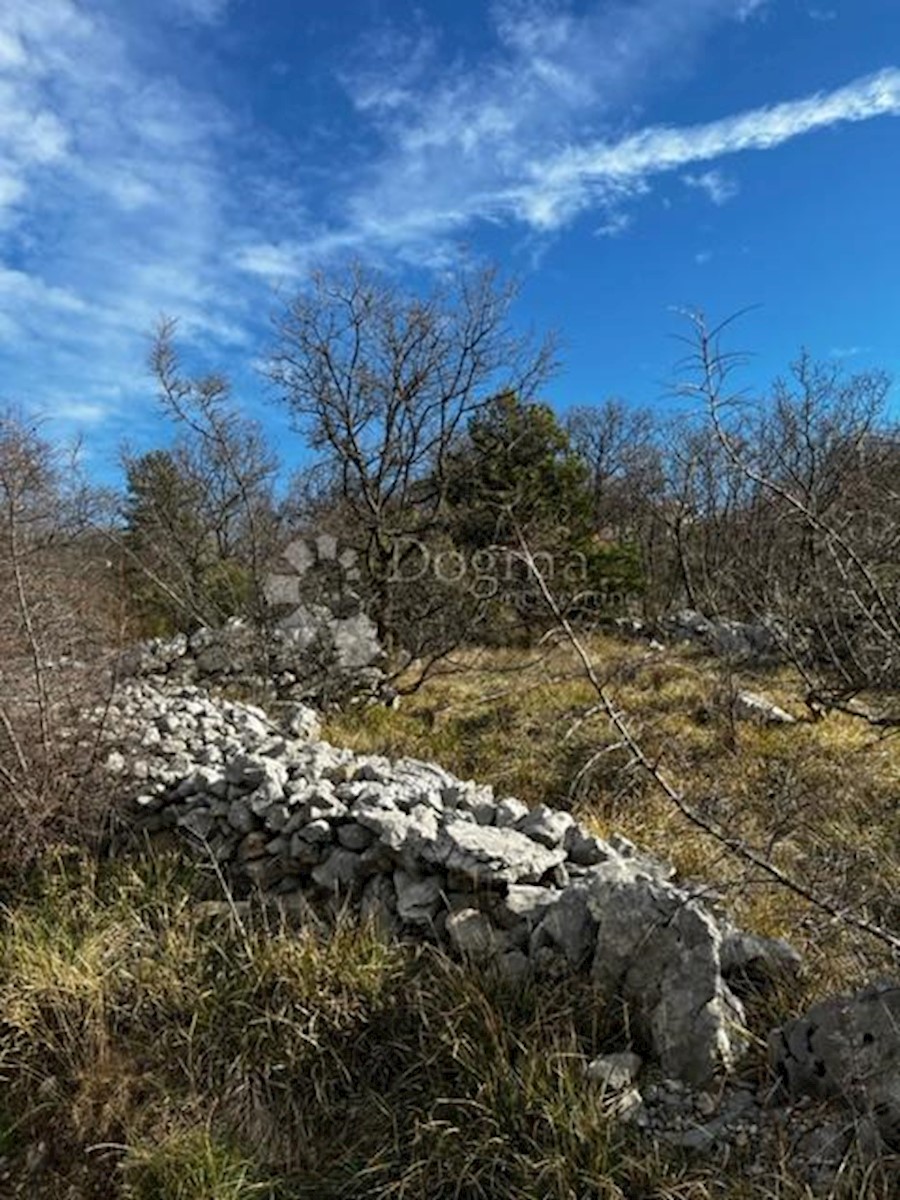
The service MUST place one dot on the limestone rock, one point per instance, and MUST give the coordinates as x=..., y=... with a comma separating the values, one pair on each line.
x=847, y=1046
x=417, y=898
x=490, y=855
x=568, y=926
x=546, y=825
x=751, y=706
x=378, y=904
x=339, y=871
x=525, y=902
x=757, y=960
x=615, y=1071
x=509, y=811
x=660, y=950
x=402, y=832
x=473, y=936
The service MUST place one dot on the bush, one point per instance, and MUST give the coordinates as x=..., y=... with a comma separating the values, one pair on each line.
x=58, y=624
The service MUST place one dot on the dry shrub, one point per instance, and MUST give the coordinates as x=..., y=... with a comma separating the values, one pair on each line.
x=58, y=624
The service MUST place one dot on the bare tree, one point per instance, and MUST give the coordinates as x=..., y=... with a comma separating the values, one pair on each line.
x=201, y=516
x=821, y=460
x=619, y=447
x=381, y=381
x=754, y=856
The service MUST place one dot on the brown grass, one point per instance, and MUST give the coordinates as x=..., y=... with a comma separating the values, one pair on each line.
x=819, y=797
x=148, y=1052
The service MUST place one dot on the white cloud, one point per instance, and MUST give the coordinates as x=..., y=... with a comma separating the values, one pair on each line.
x=480, y=141
x=113, y=207
x=615, y=225
x=81, y=412
x=582, y=175
x=12, y=52
x=716, y=184
x=751, y=8
x=702, y=257
x=125, y=193
x=460, y=142
x=271, y=260
x=23, y=289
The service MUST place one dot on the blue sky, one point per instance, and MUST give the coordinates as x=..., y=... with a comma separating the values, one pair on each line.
x=197, y=157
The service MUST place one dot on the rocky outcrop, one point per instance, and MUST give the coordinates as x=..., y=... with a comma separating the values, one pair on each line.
x=848, y=1047
x=663, y=952
x=758, y=642
x=755, y=643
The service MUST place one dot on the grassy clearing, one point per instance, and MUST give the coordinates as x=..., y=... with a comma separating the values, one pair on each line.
x=149, y=1052
x=819, y=797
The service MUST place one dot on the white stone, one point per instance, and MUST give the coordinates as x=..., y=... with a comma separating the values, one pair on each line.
x=615, y=1071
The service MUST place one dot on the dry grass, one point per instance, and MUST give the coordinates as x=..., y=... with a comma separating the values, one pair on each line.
x=148, y=1052
x=819, y=797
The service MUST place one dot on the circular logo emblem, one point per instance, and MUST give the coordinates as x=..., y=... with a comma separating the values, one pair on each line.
x=317, y=570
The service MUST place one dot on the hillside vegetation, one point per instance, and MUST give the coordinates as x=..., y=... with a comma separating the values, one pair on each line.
x=151, y=1051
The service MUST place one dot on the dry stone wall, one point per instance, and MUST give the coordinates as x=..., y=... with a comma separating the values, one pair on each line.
x=528, y=893
x=320, y=658
x=427, y=854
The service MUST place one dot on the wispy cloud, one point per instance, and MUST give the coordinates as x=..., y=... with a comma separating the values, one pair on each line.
x=205, y=12
x=113, y=208
x=615, y=225
x=480, y=143
x=583, y=175
x=127, y=190
x=716, y=184
x=465, y=141
x=460, y=140
x=752, y=8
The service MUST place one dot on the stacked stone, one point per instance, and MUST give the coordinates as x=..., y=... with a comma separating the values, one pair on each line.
x=321, y=659
x=426, y=854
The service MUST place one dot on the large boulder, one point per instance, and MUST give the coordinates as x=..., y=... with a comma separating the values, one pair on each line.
x=847, y=1046
x=660, y=951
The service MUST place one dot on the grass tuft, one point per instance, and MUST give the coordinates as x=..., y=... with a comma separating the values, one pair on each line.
x=190, y=1164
